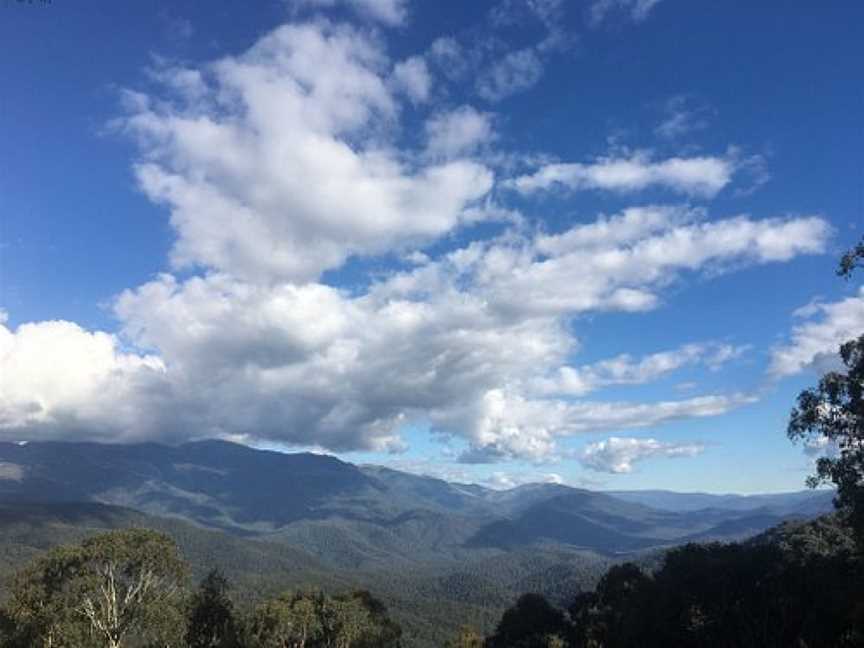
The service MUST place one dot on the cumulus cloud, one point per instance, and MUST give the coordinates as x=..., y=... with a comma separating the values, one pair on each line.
x=693, y=176
x=308, y=364
x=458, y=132
x=815, y=343
x=458, y=342
x=280, y=164
x=617, y=454
x=57, y=379
x=272, y=163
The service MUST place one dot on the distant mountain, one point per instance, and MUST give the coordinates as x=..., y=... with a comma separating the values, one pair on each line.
x=370, y=516
x=215, y=483
x=805, y=503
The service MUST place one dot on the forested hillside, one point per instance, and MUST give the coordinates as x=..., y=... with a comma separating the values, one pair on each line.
x=429, y=601
x=439, y=555
x=799, y=584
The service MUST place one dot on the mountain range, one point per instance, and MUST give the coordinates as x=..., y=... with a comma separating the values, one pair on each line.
x=440, y=554
x=355, y=516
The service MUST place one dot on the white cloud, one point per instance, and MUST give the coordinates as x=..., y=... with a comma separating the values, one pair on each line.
x=617, y=455
x=307, y=364
x=458, y=342
x=636, y=10
x=694, y=176
x=58, y=380
x=282, y=163
x=815, y=344
x=620, y=263
x=275, y=169
x=500, y=480
x=390, y=12
x=412, y=77
x=510, y=426
x=626, y=370
x=515, y=72
x=458, y=132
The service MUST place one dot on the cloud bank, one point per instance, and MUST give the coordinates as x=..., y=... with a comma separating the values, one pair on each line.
x=289, y=161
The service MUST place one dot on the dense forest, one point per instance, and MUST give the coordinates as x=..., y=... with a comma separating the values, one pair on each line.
x=797, y=585
x=800, y=585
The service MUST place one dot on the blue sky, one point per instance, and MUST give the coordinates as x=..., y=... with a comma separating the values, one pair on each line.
x=498, y=242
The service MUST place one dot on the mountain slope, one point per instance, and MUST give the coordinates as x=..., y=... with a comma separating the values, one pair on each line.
x=430, y=602
x=368, y=516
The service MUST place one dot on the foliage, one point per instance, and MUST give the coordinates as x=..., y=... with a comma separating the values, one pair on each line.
x=831, y=416
x=125, y=589
x=531, y=623
x=211, y=615
x=41, y=607
x=110, y=588
x=313, y=620
x=789, y=588
x=853, y=259
x=130, y=583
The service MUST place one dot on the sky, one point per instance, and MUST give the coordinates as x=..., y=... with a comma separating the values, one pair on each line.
x=590, y=242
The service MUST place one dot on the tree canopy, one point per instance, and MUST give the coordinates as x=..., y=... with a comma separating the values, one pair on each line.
x=111, y=588
x=126, y=589
x=830, y=416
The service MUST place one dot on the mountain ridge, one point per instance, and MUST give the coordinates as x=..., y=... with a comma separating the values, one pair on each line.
x=356, y=516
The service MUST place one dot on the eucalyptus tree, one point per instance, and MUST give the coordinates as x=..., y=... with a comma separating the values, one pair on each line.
x=107, y=591
x=831, y=415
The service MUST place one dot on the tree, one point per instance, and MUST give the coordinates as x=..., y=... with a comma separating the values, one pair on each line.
x=368, y=620
x=313, y=620
x=41, y=606
x=531, y=623
x=853, y=259
x=211, y=615
x=109, y=588
x=131, y=582
x=289, y=621
x=832, y=414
